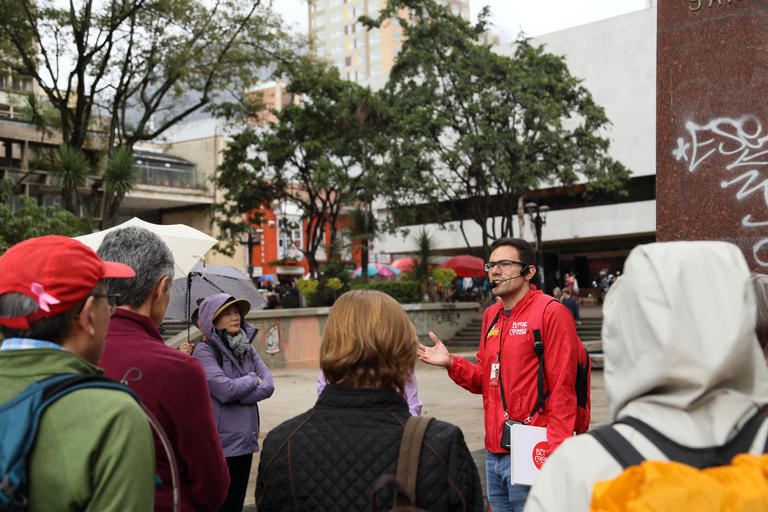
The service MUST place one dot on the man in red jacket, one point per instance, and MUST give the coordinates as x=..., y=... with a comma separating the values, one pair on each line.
x=169, y=382
x=507, y=363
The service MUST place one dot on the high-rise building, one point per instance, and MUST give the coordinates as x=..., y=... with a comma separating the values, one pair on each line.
x=358, y=53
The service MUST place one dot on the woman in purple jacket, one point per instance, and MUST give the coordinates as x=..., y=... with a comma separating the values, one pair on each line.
x=237, y=380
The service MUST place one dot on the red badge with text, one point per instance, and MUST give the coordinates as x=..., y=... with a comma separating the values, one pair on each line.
x=540, y=454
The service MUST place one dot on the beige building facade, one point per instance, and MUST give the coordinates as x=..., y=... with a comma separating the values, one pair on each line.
x=358, y=53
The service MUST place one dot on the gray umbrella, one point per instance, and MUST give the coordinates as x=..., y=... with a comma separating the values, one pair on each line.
x=205, y=280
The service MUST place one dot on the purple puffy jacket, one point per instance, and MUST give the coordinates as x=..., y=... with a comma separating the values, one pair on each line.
x=234, y=390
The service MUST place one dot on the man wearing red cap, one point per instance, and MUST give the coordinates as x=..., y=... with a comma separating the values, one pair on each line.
x=93, y=449
x=170, y=383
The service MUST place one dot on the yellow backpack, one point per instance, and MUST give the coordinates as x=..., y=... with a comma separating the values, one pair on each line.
x=720, y=478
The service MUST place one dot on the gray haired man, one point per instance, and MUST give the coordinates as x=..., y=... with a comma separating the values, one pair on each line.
x=169, y=382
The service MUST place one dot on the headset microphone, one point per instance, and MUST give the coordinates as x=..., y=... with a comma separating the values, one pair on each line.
x=523, y=272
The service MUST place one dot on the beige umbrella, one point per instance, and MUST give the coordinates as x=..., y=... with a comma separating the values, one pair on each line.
x=187, y=244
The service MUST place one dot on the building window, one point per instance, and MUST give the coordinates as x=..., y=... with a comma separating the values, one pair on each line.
x=396, y=37
x=395, y=53
x=336, y=17
x=360, y=42
x=374, y=37
x=321, y=34
x=337, y=32
x=339, y=47
x=376, y=70
x=359, y=59
x=339, y=62
x=320, y=21
x=376, y=54
x=289, y=246
x=465, y=12
x=322, y=50
x=334, y=3
x=455, y=9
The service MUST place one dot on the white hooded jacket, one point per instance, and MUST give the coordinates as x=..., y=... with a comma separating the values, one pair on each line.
x=681, y=354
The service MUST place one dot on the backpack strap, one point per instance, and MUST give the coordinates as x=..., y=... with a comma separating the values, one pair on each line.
x=700, y=458
x=535, y=322
x=216, y=352
x=19, y=422
x=410, y=450
x=617, y=445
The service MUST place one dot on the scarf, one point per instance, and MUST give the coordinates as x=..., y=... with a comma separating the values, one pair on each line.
x=239, y=344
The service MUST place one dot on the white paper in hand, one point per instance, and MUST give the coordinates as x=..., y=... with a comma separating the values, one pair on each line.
x=528, y=452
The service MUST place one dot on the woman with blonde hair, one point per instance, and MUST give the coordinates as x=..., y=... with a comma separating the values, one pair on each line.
x=330, y=457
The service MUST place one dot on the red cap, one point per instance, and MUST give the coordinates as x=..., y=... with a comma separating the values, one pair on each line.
x=56, y=271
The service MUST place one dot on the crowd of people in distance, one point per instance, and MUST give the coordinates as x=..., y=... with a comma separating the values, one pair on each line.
x=686, y=377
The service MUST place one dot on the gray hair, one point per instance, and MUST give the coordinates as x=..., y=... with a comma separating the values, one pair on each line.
x=54, y=329
x=144, y=252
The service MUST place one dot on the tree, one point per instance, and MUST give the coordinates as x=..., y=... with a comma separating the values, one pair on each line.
x=31, y=220
x=421, y=269
x=133, y=68
x=306, y=157
x=476, y=130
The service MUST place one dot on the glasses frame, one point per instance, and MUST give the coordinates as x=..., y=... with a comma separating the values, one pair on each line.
x=488, y=266
x=111, y=303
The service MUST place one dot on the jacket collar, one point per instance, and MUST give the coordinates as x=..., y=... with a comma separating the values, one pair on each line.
x=349, y=397
x=124, y=320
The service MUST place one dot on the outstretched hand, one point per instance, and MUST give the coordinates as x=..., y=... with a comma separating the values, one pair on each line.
x=437, y=355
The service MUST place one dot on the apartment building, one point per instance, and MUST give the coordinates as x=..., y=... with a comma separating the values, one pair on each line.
x=358, y=53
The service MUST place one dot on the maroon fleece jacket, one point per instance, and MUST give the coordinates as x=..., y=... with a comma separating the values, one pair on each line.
x=174, y=389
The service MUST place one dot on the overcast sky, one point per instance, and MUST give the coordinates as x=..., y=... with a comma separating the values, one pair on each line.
x=535, y=17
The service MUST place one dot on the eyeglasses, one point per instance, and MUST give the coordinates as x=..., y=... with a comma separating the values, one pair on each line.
x=111, y=302
x=503, y=264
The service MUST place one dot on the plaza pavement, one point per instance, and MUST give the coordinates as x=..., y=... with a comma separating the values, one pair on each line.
x=295, y=393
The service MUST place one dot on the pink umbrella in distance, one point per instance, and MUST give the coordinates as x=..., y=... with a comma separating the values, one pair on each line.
x=404, y=264
x=465, y=265
x=376, y=268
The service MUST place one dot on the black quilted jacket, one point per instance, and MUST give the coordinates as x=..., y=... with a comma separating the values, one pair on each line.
x=329, y=457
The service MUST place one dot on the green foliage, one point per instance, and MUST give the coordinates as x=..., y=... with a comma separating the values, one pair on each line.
x=404, y=292
x=334, y=284
x=30, y=220
x=135, y=68
x=308, y=287
x=311, y=157
x=443, y=276
x=515, y=123
x=118, y=179
x=70, y=170
x=423, y=254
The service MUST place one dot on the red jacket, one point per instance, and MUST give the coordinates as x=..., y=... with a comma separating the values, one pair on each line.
x=563, y=351
x=174, y=389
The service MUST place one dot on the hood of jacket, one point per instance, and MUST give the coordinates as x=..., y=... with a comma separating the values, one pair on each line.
x=679, y=341
x=207, y=309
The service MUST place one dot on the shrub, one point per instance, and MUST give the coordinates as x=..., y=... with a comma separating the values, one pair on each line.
x=308, y=287
x=404, y=292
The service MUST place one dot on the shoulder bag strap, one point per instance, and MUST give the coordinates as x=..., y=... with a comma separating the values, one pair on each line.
x=410, y=449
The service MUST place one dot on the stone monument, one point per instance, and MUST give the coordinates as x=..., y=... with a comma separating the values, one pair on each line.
x=712, y=124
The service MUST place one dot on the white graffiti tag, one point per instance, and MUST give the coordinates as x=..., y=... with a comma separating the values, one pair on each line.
x=743, y=143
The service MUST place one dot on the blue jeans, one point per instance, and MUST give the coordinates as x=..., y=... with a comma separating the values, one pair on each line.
x=503, y=495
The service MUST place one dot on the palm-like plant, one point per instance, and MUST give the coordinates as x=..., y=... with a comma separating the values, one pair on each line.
x=424, y=251
x=71, y=170
x=118, y=179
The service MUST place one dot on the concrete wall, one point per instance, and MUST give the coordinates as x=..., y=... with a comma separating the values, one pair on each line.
x=290, y=338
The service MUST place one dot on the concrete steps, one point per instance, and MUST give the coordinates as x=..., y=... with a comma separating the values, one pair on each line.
x=173, y=327
x=589, y=332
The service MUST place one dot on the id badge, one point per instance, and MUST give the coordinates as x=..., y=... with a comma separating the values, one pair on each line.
x=494, y=374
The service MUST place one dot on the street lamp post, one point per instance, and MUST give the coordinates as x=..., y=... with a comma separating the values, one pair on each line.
x=254, y=239
x=537, y=221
